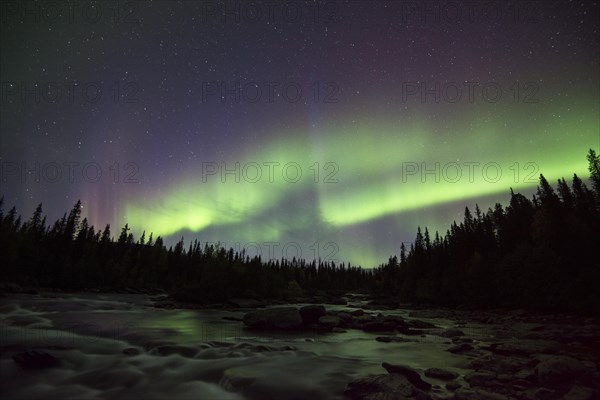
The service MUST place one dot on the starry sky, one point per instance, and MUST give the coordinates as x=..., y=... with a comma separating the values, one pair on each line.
x=326, y=129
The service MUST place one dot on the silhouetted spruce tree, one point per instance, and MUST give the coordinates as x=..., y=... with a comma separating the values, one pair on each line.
x=594, y=168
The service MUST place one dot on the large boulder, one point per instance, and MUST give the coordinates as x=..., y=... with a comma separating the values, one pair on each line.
x=274, y=318
x=558, y=370
x=311, y=314
x=413, y=376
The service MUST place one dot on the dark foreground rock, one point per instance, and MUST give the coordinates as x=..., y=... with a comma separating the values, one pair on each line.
x=580, y=393
x=413, y=376
x=391, y=339
x=311, y=314
x=131, y=351
x=478, y=394
x=384, y=386
x=558, y=370
x=508, y=354
x=35, y=360
x=274, y=318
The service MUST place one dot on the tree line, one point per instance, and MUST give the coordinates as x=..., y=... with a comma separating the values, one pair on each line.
x=533, y=253
x=72, y=255
x=540, y=253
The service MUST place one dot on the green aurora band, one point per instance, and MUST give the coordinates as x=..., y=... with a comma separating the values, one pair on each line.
x=374, y=171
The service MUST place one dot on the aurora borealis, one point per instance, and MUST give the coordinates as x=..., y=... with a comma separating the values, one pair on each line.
x=338, y=157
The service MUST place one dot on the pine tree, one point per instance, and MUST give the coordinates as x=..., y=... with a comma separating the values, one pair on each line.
x=427, y=240
x=35, y=223
x=73, y=221
x=123, y=237
x=105, y=237
x=402, y=254
x=594, y=168
x=565, y=192
x=84, y=227
x=545, y=191
x=419, y=241
x=468, y=220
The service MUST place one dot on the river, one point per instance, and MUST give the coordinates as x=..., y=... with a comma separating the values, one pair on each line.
x=188, y=353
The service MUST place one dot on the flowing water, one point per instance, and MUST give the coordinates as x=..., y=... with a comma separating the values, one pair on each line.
x=195, y=354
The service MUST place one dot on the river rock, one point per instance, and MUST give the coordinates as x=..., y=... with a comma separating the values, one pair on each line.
x=390, y=339
x=330, y=321
x=417, y=323
x=131, y=351
x=338, y=301
x=382, y=387
x=545, y=394
x=379, y=326
x=480, y=378
x=509, y=349
x=470, y=394
x=438, y=373
x=461, y=348
x=10, y=287
x=527, y=375
x=246, y=303
x=450, y=333
x=557, y=370
x=363, y=319
x=274, y=318
x=35, y=360
x=580, y=393
x=311, y=314
x=413, y=376
x=166, y=350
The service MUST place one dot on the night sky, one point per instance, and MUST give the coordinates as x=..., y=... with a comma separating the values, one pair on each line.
x=352, y=122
